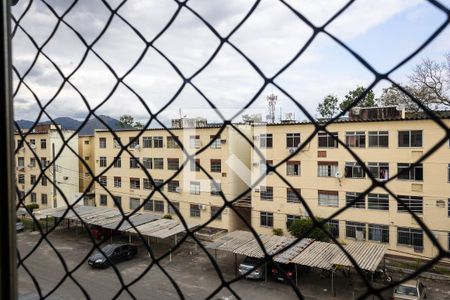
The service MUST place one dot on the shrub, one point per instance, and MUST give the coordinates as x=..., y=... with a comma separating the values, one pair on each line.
x=277, y=231
x=167, y=217
x=32, y=206
x=300, y=227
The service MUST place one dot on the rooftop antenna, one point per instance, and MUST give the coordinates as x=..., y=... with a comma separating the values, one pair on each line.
x=272, y=99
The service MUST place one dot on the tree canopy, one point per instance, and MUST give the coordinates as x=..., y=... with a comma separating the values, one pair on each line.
x=299, y=227
x=127, y=121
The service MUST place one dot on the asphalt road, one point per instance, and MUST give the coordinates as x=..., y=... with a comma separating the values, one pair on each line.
x=190, y=269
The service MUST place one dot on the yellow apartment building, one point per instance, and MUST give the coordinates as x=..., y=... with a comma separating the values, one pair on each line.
x=46, y=143
x=328, y=177
x=197, y=197
x=86, y=150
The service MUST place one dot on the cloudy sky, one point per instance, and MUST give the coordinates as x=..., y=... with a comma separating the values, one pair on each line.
x=383, y=32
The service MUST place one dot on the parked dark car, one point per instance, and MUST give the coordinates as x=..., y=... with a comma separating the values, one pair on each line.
x=248, y=264
x=19, y=226
x=115, y=252
x=287, y=269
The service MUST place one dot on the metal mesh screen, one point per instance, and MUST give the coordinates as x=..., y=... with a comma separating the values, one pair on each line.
x=114, y=12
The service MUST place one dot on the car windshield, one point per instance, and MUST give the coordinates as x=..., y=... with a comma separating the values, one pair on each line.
x=251, y=261
x=108, y=249
x=406, y=290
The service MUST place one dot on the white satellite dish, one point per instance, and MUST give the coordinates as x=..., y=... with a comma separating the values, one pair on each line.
x=338, y=174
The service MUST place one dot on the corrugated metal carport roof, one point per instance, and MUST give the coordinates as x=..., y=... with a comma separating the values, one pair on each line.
x=317, y=255
x=137, y=219
x=231, y=241
x=368, y=255
x=161, y=229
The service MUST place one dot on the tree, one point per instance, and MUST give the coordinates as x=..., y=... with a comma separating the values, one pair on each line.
x=328, y=107
x=138, y=125
x=299, y=227
x=127, y=121
x=350, y=98
x=256, y=118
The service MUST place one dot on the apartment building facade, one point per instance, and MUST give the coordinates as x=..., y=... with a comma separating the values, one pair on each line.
x=86, y=150
x=35, y=153
x=125, y=180
x=328, y=177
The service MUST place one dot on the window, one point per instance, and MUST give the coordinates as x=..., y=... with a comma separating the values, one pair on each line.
x=44, y=199
x=172, y=163
x=291, y=195
x=86, y=142
x=116, y=143
x=195, y=187
x=117, y=181
x=147, y=184
x=355, y=230
x=147, y=142
x=355, y=139
x=216, y=165
x=195, y=165
x=290, y=219
x=333, y=226
x=265, y=140
x=118, y=162
x=103, y=180
x=327, y=168
x=215, y=188
x=159, y=183
x=117, y=201
x=327, y=141
x=172, y=210
x=32, y=179
x=292, y=140
x=378, y=201
x=378, y=139
x=413, y=202
x=134, y=203
x=33, y=162
x=86, y=158
x=134, y=142
x=135, y=183
x=154, y=205
x=414, y=173
x=264, y=165
x=20, y=161
x=412, y=138
x=21, y=179
x=43, y=144
x=134, y=162
x=195, y=210
x=43, y=162
x=216, y=144
x=292, y=168
x=379, y=170
x=173, y=186
x=147, y=162
x=172, y=142
x=215, y=213
x=266, y=193
x=44, y=181
x=354, y=170
x=351, y=196
x=158, y=163
x=328, y=198
x=103, y=161
x=448, y=207
x=158, y=142
x=194, y=142
x=33, y=197
x=103, y=200
x=379, y=233
x=102, y=143
x=410, y=237
x=448, y=173
x=266, y=219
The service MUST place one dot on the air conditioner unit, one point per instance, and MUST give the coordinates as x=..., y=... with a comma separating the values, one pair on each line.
x=30, y=166
x=338, y=174
x=203, y=207
x=292, y=150
x=223, y=141
x=32, y=146
x=137, y=147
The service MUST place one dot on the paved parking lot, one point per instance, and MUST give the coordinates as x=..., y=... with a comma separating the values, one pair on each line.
x=190, y=268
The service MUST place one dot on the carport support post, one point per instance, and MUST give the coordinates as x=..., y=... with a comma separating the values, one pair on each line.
x=265, y=272
x=296, y=275
x=129, y=237
x=333, y=291
x=235, y=264
x=46, y=223
x=148, y=243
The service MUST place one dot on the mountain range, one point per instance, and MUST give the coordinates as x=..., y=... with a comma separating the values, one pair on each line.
x=72, y=124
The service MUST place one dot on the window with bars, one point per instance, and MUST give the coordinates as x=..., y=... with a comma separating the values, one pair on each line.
x=20, y=161
x=154, y=205
x=158, y=163
x=21, y=178
x=216, y=142
x=410, y=237
x=378, y=201
x=292, y=140
x=103, y=161
x=103, y=200
x=195, y=165
x=44, y=181
x=194, y=142
x=102, y=143
x=147, y=142
x=215, y=188
x=355, y=139
x=117, y=162
x=116, y=143
x=147, y=162
x=147, y=184
x=266, y=219
x=291, y=195
x=32, y=162
x=355, y=230
x=414, y=203
x=333, y=226
x=134, y=163
x=158, y=142
x=378, y=233
x=173, y=186
x=44, y=199
x=117, y=181
x=360, y=202
x=32, y=179
x=195, y=188
x=266, y=193
x=379, y=170
x=326, y=140
x=195, y=210
x=172, y=164
x=327, y=168
x=216, y=166
x=103, y=180
x=215, y=213
x=410, y=138
x=378, y=139
x=135, y=183
x=328, y=198
x=293, y=168
x=43, y=144
x=134, y=203
x=407, y=172
x=33, y=197
x=134, y=142
x=354, y=170
x=265, y=140
x=172, y=142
